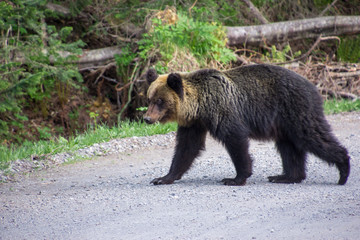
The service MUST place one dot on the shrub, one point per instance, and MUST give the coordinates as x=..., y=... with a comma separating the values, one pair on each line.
x=33, y=66
x=206, y=41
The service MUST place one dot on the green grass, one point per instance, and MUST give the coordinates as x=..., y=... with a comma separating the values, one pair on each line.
x=101, y=134
x=127, y=129
x=337, y=106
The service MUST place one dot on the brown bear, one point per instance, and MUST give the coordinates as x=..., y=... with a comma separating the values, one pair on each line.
x=261, y=102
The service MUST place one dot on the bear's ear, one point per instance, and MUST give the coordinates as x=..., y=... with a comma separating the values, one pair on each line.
x=151, y=75
x=175, y=83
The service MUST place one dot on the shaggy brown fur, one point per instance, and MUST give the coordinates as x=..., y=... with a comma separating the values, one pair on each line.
x=261, y=102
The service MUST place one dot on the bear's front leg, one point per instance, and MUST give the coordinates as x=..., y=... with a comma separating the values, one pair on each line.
x=189, y=142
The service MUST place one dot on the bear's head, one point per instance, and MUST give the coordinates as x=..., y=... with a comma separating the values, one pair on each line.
x=164, y=95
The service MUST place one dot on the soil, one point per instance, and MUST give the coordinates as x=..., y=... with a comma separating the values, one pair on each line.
x=109, y=197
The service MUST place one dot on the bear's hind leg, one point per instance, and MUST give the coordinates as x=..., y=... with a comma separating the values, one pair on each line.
x=293, y=160
x=238, y=149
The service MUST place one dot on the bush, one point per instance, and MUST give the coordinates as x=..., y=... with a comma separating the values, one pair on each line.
x=205, y=41
x=33, y=66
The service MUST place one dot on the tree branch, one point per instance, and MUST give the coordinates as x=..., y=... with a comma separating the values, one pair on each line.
x=328, y=8
x=255, y=11
x=318, y=40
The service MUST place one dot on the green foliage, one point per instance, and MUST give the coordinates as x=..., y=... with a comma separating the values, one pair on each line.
x=160, y=68
x=94, y=116
x=224, y=11
x=44, y=133
x=276, y=55
x=349, y=49
x=77, y=6
x=343, y=105
x=206, y=41
x=123, y=63
x=33, y=64
x=142, y=109
x=260, y=3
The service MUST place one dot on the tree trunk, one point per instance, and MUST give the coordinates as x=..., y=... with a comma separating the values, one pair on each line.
x=293, y=30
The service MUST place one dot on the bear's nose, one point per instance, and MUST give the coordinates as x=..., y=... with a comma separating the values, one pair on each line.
x=147, y=120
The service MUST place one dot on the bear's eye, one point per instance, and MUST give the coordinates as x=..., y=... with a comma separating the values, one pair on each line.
x=159, y=101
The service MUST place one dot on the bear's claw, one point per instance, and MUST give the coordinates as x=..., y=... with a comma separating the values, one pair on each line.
x=161, y=181
x=234, y=181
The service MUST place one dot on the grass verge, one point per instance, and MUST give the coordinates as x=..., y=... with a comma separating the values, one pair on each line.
x=101, y=134
x=337, y=106
x=127, y=129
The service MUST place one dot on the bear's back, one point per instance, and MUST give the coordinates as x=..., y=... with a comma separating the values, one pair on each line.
x=256, y=94
x=273, y=82
x=268, y=76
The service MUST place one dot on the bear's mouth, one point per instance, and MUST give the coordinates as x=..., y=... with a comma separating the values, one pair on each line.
x=163, y=119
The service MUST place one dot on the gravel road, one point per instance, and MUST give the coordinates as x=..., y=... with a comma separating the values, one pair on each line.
x=109, y=197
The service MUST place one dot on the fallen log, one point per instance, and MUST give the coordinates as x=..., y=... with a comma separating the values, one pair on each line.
x=268, y=34
x=97, y=57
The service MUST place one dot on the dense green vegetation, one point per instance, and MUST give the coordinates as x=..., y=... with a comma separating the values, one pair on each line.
x=205, y=41
x=32, y=69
